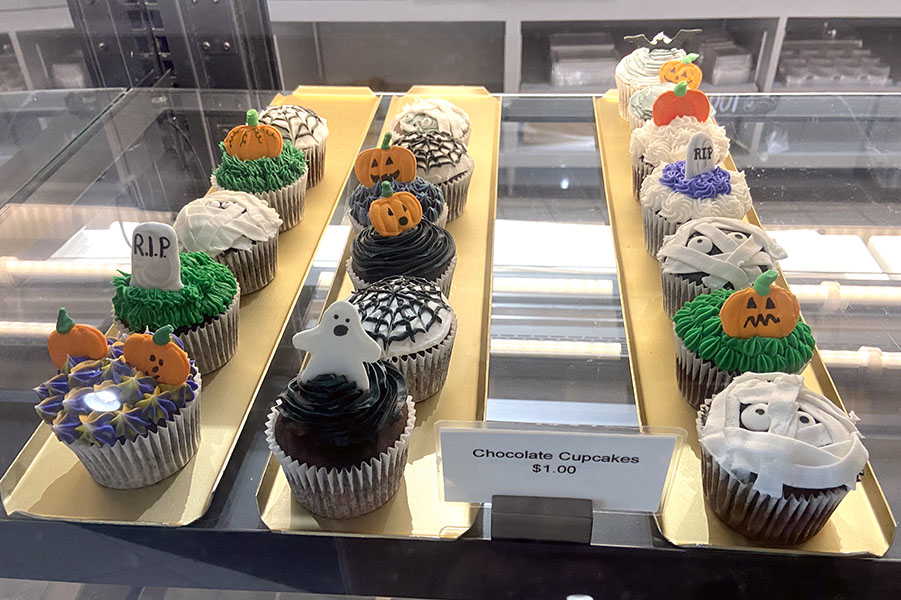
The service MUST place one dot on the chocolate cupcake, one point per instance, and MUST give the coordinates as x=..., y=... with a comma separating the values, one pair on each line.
x=305, y=130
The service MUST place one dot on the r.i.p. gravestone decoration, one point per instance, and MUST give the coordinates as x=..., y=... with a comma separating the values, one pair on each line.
x=699, y=155
x=154, y=257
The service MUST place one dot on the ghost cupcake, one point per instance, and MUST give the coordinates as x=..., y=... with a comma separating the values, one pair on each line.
x=443, y=161
x=305, y=130
x=411, y=320
x=776, y=458
x=340, y=429
x=130, y=411
x=713, y=253
x=432, y=114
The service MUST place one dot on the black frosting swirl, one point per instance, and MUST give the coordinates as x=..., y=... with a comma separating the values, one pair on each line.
x=430, y=198
x=423, y=251
x=334, y=411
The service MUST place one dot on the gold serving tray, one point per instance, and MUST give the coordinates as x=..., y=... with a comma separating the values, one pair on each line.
x=417, y=509
x=47, y=481
x=863, y=522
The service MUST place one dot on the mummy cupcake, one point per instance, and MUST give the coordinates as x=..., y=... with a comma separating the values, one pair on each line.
x=129, y=411
x=411, y=320
x=341, y=428
x=443, y=161
x=236, y=229
x=689, y=189
x=304, y=129
x=713, y=253
x=776, y=458
x=432, y=114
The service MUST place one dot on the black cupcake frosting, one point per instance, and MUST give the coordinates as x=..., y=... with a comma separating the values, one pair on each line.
x=430, y=198
x=424, y=251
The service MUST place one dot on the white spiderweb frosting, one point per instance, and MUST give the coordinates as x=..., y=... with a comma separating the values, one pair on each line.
x=225, y=220
x=300, y=125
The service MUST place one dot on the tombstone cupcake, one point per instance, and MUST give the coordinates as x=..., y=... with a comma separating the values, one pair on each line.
x=725, y=333
x=304, y=129
x=443, y=161
x=340, y=429
x=713, y=253
x=130, y=411
x=235, y=229
x=776, y=458
x=432, y=114
x=689, y=189
x=400, y=242
x=256, y=161
x=414, y=325
x=190, y=291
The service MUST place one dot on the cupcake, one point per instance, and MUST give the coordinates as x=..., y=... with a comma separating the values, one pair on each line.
x=415, y=327
x=130, y=411
x=678, y=192
x=641, y=103
x=190, y=291
x=728, y=332
x=304, y=129
x=254, y=160
x=777, y=458
x=713, y=253
x=677, y=116
x=433, y=114
x=340, y=429
x=235, y=229
x=400, y=242
x=641, y=67
x=445, y=162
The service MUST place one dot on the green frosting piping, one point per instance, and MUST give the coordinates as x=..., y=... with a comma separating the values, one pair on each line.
x=163, y=335
x=64, y=322
x=699, y=327
x=764, y=281
x=261, y=174
x=209, y=289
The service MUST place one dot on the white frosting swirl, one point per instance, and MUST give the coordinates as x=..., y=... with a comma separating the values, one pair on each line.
x=770, y=425
x=302, y=126
x=666, y=143
x=433, y=114
x=642, y=66
x=225, y=220
x=677, y=207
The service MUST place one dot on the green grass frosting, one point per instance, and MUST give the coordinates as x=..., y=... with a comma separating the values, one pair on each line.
x=262, y=174
x=699, y=327
x=209, y=288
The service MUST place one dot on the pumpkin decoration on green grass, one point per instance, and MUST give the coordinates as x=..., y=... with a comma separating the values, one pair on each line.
x=684, y=69
x=72, y=339
x=158, y=355
x=385, y=163
x=253, y=140
x=394, y=212
x=681, y=102
x=765, y=309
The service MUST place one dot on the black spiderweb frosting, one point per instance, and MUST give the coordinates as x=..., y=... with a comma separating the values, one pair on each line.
x=433, y=149
x=400, y=308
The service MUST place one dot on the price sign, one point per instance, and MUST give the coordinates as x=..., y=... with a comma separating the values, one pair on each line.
x=620, y=470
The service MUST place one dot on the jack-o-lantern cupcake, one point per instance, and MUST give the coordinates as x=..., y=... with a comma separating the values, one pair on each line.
x=401, y=242
x=728, y=332
x=304, y=129
x=130, y=411
x=443, y=160
x=257, y=161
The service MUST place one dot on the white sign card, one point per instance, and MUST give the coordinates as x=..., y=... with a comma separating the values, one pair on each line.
x=699, y=155
x=619, y=469
x=154, y=257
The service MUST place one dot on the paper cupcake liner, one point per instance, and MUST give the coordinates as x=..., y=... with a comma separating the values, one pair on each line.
x=640, y=170
x=148, y=459
x=677, y=291
x=253, y=268
x=698, y=379
x=441, y=221
x=315, y=156
x=455, y=191
x=288, y=201
x=655, y=229
x=425, y=371
x=444, y=282
x=624, y=91
x=211, y=345
x=345, y=493
x=787, y=520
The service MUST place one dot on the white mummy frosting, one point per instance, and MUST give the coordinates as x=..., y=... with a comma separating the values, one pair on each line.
x=225, y=220
x=770, y=425
x=300, y=126
x=657, y=144
x=723, y=251
x=433, y=114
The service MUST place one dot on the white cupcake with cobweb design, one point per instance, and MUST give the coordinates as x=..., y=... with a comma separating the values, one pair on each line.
x=412, y=321
x=306, y=130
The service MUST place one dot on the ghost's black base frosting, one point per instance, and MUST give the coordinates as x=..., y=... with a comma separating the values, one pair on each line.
x=328, y=422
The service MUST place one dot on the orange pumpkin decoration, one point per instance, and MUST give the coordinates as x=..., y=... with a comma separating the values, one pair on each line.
x=765, y=309
x=394, y=212
x=158, y=355
x=70, y=339
x=253, y=140
x=683, y=69
x=681, y=102
x=384, y=163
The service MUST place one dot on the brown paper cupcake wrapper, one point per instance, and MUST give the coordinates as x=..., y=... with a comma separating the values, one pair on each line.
x=315, y=156
x=698, y=378
x=624, y=91
x=345, y=493
x=425, y=371
x=253, y=268
x=288, y=201
x=655, y=229
x=441, y=221
x=640, y=170
x=455, y=191
x=210, y=345
x=677, y=291
x=148, y=459
x=444, y=282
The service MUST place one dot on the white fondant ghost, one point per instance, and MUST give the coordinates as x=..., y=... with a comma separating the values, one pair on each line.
x=154, y=257
x=338, y=345
x=699, y=155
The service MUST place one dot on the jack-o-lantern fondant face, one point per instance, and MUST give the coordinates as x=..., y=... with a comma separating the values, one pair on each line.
x=385, y=163
x=764, y=310
x=394, y=212
x=158, y=355
x=676, y=71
